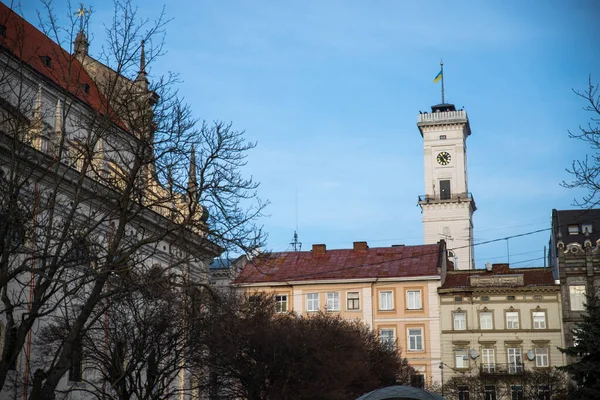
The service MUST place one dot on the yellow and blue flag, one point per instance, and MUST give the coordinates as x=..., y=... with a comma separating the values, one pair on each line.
x=437, y=77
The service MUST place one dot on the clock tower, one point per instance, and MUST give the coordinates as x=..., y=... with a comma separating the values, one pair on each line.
x=447, y=205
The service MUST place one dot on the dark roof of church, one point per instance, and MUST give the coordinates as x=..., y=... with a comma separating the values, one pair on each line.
x=28, y=44
x=531, y=277
x=361, y=262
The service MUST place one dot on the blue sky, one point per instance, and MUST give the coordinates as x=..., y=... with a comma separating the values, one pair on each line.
x=331, y=91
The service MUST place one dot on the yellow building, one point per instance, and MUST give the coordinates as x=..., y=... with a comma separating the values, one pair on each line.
x=392, y=289
x=498, y=323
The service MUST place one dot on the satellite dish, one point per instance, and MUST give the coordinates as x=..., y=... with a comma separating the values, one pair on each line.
x=473, y=354
x=530, y=355
x=488, y=266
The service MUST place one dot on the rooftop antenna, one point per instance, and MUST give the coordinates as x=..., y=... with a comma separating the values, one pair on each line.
x=295, y=243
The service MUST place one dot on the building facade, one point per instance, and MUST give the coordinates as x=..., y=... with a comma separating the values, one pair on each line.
x=574, y=258
x=499, y=323
x=393, y=290
x=447, y=204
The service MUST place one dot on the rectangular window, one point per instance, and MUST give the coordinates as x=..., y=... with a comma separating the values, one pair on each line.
x=415, y=339
x=512, y=320
x=353, y=301
x=489, y=392
x=386, y=300
x=460, y=321
x=515, y=363
x=587, y=227
x=539, y=320
x=488, y=360
x=333, y=301
x=516, y=392
x=413, y=300
x=312, y=302
x=577, y=297
x=445, y=190
x=543, y=392
x=388, y=337
x=463, y=393
x=485, y=320
x=417, y=381
x=573, y=229
x=541, y=357
x=460, y=358
x=281, y=303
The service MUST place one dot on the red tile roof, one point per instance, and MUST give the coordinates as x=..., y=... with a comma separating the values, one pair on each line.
x=28, y=44
x=531, y=277
x=381, y=262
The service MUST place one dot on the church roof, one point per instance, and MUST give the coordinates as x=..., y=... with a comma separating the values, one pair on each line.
x=361, y=262
x=39, y=52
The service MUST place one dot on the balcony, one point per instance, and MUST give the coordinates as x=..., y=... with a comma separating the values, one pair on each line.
x=501, y=369
x=447, y=198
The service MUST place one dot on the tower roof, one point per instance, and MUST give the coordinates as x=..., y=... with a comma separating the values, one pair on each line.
x=443, y=107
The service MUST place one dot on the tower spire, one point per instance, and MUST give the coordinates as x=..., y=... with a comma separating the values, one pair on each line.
x=81, y=43
x=142, y=75
x=192, y=186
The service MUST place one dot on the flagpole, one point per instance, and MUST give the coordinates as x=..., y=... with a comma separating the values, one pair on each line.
x=442, y=65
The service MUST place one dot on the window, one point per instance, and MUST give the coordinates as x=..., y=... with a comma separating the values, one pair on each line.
x=386, y=300
x=281, y=303
x=515, y=364
x=573, y=229
x=388, y=337
x=445, y=190
x=516, y=392
x=512, y=320
x=586, y=228
x=543, y=392
x=488, y=360
x=485, y=299
x=86, y=88
x=417, y=381
x=541, y=357
x=333, y=301
x=489, y=392
x=510, y=298
x=458, y=299
x=539, y=320
x=413, y=300
x=463, y=393
x=353, y=301
x=415, y=339
x=312, y=302
x=46, y=61
x=442, y=137
x=485, y=320
x=577, y=297
x=460, y=321
x=460, y=358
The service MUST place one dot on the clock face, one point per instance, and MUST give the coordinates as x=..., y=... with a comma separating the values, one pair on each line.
x=443, y=158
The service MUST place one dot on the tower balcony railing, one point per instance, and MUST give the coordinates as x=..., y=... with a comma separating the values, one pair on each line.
x=501, y=369
x=447, y=198
x=443, y=116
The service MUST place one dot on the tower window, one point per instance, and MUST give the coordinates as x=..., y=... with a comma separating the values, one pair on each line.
x=445, y=190
x=47, y=61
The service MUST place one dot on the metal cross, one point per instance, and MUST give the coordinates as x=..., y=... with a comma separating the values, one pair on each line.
x=81, y=13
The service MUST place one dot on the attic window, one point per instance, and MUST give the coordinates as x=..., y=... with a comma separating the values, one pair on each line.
x=485, y=298
x=510, y=297
x=442, y=137
x=573, y=229
x=458, y=299
x=47, y=61
x=2, y=30
x=86, y=87
x=587, y=227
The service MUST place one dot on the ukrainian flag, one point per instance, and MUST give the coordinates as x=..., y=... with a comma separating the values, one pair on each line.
x=437, y=77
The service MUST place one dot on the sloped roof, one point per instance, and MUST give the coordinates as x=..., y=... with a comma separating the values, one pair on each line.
x=561, y=219
x=531, y=277
x=28, y=44
x=379, y=262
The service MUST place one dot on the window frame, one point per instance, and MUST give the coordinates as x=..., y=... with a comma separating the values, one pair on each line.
x=445, y=186
x=280, y=302
x=385, y=339
x=578, y=294
x=357, y=300
x=419, y=339
x=408, y=300
x=544, y=321
x=488, y=354
x=516, y=392
x=491, y=314
x=390, y=300
x=312, y=300
x=544, y=354
x=464, y=357
x=517, y=362
x=455, y=320
x=489, y=392
x=512, y=313
x=332, y=297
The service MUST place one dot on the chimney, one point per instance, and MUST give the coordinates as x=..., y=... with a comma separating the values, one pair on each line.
x=360, y=246
x=319, y=249
x=500, y=267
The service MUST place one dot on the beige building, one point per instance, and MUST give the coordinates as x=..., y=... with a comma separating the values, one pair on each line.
x=498, y=322
x=393, y=290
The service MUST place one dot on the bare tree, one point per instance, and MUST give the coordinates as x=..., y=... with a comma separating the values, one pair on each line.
x=586, y=171
x=105, y=177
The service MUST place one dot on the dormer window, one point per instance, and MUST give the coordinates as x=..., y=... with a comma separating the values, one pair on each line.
x=86, y=88
x=47, y=61
x=2, y=30
x=573, y=229
x=586, y=228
